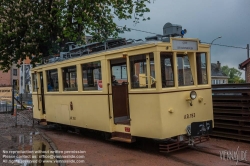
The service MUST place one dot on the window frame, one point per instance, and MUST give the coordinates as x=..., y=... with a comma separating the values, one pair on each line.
x=172, y=66
x=47, y=79
x=14, y=72
x=34, y=80
x=64, y=80
x=97, y=83
x=200, y=79
x=191, y=68
x=148, y=69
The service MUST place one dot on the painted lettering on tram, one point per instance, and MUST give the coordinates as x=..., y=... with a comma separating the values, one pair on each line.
x=187, y=116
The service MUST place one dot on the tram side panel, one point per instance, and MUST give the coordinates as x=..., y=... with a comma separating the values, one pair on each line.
x=86, y=111
x=177, y=113
x=145, y=115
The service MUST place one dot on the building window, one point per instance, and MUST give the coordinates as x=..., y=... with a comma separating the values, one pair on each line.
x=52, y=80
x=92, y=76
x=69, y=78
x=14, y=72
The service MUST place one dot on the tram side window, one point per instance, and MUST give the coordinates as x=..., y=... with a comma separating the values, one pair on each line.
x=138, y=71
x=201, y=68
x=167, y=70
x=185, y=77
x=92, y=76
x=69, y=78
x=34, y=82
x=52, y=80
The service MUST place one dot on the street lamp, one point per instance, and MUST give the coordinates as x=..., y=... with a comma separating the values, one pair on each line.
x=216, y=39
x=211, y=47
x=211, y=53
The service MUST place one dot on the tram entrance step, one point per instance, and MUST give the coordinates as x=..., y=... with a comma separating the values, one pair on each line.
x=122, y=137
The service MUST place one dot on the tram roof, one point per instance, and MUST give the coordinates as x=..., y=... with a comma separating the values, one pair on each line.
x=141, y=43
x=59, y=59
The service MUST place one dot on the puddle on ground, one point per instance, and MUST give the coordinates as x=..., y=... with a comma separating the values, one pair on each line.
x=31, y=151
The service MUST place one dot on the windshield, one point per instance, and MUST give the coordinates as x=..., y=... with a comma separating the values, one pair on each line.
x=185, y=77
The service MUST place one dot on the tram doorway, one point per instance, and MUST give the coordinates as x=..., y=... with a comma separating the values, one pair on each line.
x=41, y=95
x=120, y=98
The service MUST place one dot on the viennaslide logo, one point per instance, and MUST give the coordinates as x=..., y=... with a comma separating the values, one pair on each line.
x=234, y=155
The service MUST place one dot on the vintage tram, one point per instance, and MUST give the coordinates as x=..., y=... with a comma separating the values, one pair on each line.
x=162, y=89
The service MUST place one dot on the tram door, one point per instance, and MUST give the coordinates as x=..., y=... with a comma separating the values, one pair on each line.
x=41, y=95
x=120, y=98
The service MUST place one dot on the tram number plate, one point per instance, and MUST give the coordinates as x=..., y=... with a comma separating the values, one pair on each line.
x=201, y=128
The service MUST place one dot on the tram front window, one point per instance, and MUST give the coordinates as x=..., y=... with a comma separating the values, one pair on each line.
x=201, y=63
x=185, y=77
x=167, y=71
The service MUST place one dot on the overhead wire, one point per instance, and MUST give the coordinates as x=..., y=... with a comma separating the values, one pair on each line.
x=201, y=42
x=225, y=45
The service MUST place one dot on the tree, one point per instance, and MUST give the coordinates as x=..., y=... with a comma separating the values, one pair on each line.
x=234, y=74
x=38, y=28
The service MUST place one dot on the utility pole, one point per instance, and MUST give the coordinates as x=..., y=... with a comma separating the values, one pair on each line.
x=247, y=51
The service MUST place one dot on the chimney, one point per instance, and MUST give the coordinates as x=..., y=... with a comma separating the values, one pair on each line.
x=218, y=65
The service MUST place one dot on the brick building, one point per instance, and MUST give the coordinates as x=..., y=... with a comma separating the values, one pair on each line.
x=13, y=75
x=7, y=78
x=246, y=66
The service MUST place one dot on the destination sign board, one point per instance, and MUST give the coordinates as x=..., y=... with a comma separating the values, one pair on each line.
x=184, y=45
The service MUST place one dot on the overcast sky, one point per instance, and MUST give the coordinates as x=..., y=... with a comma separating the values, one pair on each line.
x=203, y=19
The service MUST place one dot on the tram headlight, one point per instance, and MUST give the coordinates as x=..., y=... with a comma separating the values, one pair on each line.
x=193, y=95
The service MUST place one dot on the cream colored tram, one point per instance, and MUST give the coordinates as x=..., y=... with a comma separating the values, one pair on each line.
x=163, y=90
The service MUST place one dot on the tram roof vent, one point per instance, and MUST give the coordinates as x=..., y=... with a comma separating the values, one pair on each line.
x=169, y=30
x=172, y=30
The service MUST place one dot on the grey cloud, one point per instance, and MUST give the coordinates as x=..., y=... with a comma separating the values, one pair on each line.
x=205, y=20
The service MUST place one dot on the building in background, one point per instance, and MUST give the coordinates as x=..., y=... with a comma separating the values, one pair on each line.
x=25, y=77
x=246, y=66
x=217, y=76
x=10, y=77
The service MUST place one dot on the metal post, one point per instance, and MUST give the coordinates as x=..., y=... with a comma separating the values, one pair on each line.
x=21, y=101
x=247, y=51
x=32, y=116
x=16, y=116
x=13, y=95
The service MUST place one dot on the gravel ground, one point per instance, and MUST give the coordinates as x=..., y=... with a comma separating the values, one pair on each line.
x=92, y=150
